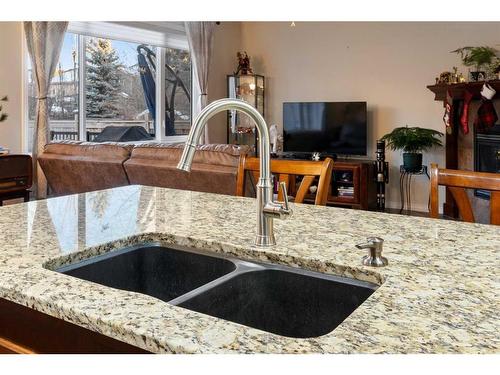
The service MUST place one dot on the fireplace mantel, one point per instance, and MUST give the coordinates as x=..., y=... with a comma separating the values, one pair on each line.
x=452, y=148
x=457, y=89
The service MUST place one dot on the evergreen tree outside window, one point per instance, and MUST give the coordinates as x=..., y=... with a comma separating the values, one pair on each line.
x=113, y=89
x=102, y=79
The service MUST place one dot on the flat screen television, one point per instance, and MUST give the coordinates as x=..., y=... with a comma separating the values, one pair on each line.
x=333, y=128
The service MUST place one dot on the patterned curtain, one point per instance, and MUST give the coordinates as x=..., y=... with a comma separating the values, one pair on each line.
x=44, y=41
x=200, y=37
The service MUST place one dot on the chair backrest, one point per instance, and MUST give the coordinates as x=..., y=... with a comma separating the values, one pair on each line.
x=287, y=170
x=458, y=181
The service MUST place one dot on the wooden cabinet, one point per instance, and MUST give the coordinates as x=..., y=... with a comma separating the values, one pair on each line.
x=24, y=330
x=352, y=185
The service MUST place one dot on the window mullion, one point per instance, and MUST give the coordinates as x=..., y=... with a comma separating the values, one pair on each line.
x=160, y=94
x=82, y=99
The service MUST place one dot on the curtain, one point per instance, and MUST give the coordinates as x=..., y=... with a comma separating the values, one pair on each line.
x=44, y=41
x=200, y=37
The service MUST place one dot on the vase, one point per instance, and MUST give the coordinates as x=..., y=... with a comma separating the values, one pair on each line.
x=477, y=76
x=412, y=162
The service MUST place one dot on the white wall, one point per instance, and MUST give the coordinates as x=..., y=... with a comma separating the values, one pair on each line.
x=386, y=64
x=227, y=42
x=11, y=84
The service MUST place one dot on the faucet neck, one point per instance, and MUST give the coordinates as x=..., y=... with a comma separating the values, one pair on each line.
x=266, y=208
x=227, y=105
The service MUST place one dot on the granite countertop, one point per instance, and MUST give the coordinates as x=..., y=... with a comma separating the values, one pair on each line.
x=439, y=293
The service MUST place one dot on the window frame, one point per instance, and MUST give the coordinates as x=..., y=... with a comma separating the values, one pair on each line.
x=173, y=36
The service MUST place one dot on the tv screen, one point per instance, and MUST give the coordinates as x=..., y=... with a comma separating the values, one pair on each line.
x=326, y=127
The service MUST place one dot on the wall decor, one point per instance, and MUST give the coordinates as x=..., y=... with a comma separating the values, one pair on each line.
x=243, y=64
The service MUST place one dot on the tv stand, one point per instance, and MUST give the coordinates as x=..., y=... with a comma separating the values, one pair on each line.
x=302, y=156
x=352, y=184
x=295, y=155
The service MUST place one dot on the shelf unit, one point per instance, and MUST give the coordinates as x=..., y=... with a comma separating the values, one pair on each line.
x=457, y=90
x=240, y=127
x=358, y=174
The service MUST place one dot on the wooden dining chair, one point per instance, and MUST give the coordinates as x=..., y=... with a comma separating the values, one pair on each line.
x=458, y=181
x=287, y=171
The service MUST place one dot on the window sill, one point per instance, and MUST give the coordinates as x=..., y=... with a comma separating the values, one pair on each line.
x=173, y=139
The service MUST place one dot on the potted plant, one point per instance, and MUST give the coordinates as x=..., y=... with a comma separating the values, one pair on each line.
x=495, y=68
x=412, y=141
x=477, y=57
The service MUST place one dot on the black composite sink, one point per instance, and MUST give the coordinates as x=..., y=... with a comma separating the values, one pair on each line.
x=286, y=303
x=278, y=299
x=160, y=272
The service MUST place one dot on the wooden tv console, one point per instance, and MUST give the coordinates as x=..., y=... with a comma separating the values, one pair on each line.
x=358, y=174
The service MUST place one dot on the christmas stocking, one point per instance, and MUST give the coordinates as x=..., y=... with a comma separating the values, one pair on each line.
x=448, y=113
x=464, y=118
x=486, y=114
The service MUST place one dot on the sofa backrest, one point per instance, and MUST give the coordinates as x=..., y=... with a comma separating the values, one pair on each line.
x=214, y=168
x=75, y=167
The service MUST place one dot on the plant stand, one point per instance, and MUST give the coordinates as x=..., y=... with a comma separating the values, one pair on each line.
x=405, y=185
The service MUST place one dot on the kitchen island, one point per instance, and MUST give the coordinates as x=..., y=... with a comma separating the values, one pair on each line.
x=439, y=293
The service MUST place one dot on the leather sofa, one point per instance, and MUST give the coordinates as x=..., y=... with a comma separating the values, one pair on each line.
x=77, y=167
x=214, y=168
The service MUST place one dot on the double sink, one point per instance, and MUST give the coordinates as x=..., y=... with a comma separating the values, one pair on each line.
x=274, y=298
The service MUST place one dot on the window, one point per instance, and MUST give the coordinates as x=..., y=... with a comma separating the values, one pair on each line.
x=114, y=93
x=177, y=91
x=116, y=87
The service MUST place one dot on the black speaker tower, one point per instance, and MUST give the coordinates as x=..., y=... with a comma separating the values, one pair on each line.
x=382, y=174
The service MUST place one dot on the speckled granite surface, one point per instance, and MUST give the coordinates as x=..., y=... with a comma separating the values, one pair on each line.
x=439, y=294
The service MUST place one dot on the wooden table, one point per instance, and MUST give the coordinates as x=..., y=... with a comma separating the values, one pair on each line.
x=16, y=177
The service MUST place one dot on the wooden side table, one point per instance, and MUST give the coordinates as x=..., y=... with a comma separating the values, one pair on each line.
x=16, y=177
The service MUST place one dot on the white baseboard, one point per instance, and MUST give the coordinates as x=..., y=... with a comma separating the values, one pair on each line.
x=414, y=207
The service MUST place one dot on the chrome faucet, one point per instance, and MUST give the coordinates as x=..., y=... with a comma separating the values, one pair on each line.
x=267, y=209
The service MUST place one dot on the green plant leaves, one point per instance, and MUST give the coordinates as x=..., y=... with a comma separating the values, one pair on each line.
x=476, y=56
x=412, y=139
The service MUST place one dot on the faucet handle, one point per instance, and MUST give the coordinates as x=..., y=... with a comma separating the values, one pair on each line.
x=374, y=257
x=284, y=192
x=277, y=209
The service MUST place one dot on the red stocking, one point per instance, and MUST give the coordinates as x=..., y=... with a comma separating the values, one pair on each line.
x=448, y=112
x=464, y=118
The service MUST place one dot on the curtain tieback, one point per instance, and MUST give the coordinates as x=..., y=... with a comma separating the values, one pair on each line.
x=41, y=97
x=203, y=94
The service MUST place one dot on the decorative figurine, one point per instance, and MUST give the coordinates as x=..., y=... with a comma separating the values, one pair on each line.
x=243, y=64
x=382, y=174
x=445, y=78
x=454, y=75
x=449, y=78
